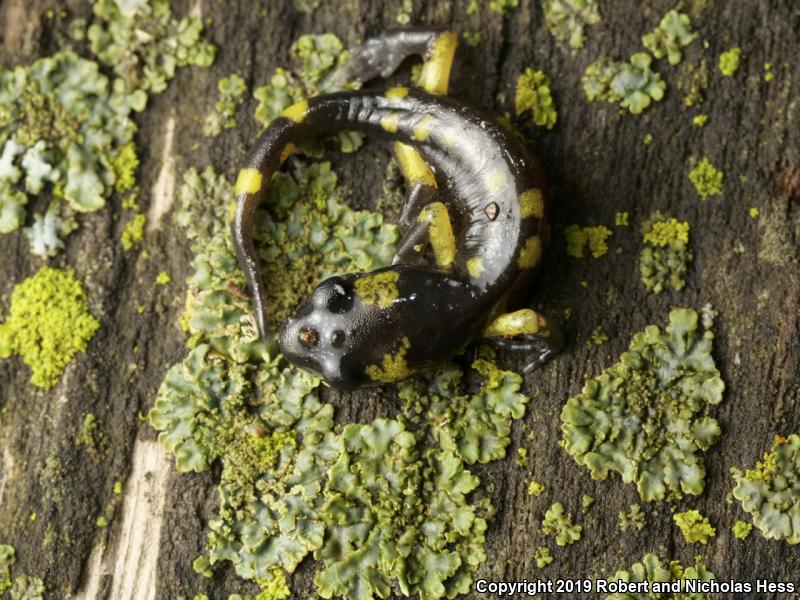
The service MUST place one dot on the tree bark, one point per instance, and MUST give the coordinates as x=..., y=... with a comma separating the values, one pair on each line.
x=597, y=164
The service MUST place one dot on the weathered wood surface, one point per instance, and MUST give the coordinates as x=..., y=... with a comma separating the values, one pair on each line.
x=746, y=268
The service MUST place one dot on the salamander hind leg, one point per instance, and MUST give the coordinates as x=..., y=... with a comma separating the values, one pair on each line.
x=526, y=331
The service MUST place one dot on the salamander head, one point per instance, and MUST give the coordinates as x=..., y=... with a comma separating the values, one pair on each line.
x=327, y=332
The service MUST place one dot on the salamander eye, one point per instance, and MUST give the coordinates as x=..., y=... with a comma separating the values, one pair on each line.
x=308, y=337
x=337, y=338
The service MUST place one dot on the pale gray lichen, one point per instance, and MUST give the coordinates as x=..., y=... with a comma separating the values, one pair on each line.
x=224, y=116
x=63, y=124
x=145, y=45
x=652, y=569
x=673, y=33
x=646, y=417
x=770, y=492
x=316, y=58
x=633, y=84
x=566, y=19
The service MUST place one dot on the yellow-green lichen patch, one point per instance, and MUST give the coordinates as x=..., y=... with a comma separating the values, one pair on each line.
x=133, y=232
x=633, y=84
x=472, y=38
x=694, y=526
x=542, y=556
x=7, y=559
x=379, y=289
x=770, y=492
x=753, y=212
x=163, y=278
x=652, y=569
x=665, y=256
x=673, y=33
x=85, y=436
x=621, y=219
x=48, y=323
x=503, y=7
x=533, y=94
x=566, y=19
x=231, y=96
x=699, y=120
x=393, y=367
x=62, y=124
x=535, y=488
x=315, y=58
x=558, y=523
x=144, y=44
x=579, y=238
x=706, y=179
x=646, y=417
x=741, y=530
x=586, y=503
x=768, y=73
x=633, y=519
x=27, y=588
x=597, y=337
x=729, y=61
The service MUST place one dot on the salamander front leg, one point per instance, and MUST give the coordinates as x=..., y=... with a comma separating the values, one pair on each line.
x=526, y=331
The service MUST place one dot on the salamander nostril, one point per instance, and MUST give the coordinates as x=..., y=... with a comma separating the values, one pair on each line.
x=308, y=337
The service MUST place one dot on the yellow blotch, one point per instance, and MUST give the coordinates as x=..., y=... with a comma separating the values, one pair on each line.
x=287, y=151
x=440, y=232
x=296, y=112
x=475, y=266
x=496, y=181
x=389, y=122
x=414, y=168
x=531, y=203
x=393, y=367
x=422, y=128
x=248, y=181
x=397, y=92
x=435, y=74
x=514, y=323
x=379, y=289
x=531, y=253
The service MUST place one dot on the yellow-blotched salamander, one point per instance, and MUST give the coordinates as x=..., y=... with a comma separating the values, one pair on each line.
x=475, y=226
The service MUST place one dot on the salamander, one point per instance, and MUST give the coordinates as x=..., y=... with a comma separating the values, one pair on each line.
x=475, y=226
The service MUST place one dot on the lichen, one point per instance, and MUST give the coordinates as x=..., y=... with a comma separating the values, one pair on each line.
x=729, y=61
x=633, y=519
x=586, y=503
x=665, y=256
x=27, y=588
x=542, y=556
x=706, y=179
x=633, y=84
x=652, y=569
x=699, y=120
x=85, y=436
x=61, y=124
x=694, y=526
x=566, y=19
x=741, y=530
x=535, y=488
x=558, y=523
x=523, y=460
x=503, y=7
x=673, y=33
x=231, y=96
x=646, y=417
x=594, y=237
x=770, y=492
x=133, y=232
x=145, y=45
x=597, y=337
x=46, y=233
x=533, y=94
x=316, y=58
x=47, y=324
x=7, y=560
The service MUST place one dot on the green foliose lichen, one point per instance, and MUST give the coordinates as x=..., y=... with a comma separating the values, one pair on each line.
x=665, y=256
x=558, y=523
x=673, y=33
x=646, y=417
x=770, y=492
x=533, y=94
x=145, y=45
x=566, y=19
x=7, y=559
x=694, y=526
x=706, y=179
x=729, y=61
x=633, y=84
x=542, y=556
x=47, y=324
x=231, y=96
x=316, y=59
x=61, y=124
x=741, y=530
x=535, y=488
x=633, y=519
x=652, y=569
x=27, y=588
